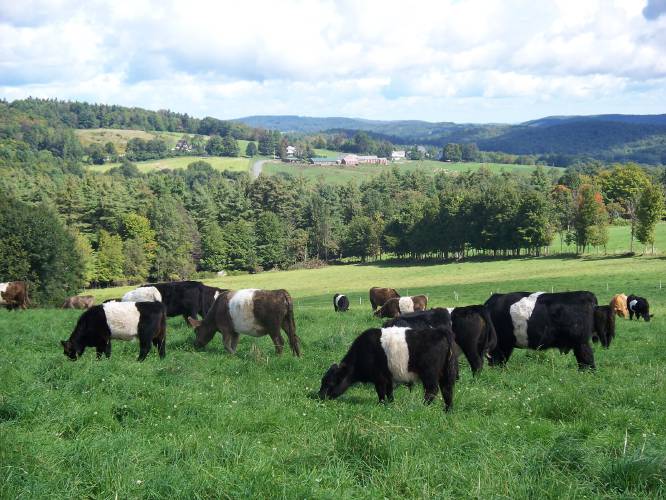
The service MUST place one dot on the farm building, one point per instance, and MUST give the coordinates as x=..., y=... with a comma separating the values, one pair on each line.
x=372, y=159
x=324, y=161
x=397, y=155
x=349, y=160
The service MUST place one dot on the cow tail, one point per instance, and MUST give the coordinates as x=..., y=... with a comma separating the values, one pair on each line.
x=491, y=334
x=450, y=369
x=290, y=326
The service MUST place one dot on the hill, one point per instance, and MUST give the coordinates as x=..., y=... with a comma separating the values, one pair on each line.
x=610, y=137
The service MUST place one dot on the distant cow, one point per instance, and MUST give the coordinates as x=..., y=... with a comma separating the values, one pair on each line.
x=604, y=325
x=340, y=303
x=403, y=305
x=252, y=312
x=619, y=305
x=472, y=327
x=379, y=296
x=14, y=295
x=387, y=355
x=118, y=320
x=186, y=298
x=638, y=306
x=544, y=320
x=79, y=302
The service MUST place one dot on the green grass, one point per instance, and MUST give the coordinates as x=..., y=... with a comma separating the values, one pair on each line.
x=342, y=174
x=239, y=164
x=202, y=423
x=119, y=137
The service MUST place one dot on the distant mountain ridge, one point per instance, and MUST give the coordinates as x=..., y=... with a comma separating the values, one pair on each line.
x=608, y=137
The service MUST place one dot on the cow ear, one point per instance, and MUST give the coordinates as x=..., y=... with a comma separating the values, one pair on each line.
x=194, y=323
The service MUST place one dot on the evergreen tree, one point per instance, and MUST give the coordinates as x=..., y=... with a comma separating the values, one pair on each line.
x=214, y=248
x=109, y=258
x=271, y=240
x=240, y=239
x=251, y=149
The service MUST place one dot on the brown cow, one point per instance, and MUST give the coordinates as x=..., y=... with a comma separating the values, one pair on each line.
x=250, y=311
x=79, y=302
x=379, y=296
x=403, y=305
x=14, y=295
x=619, y=305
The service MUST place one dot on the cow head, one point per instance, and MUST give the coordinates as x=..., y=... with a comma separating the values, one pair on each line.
x=334, y=382
x=203, y=332
x=604, y=325
x=70, y=350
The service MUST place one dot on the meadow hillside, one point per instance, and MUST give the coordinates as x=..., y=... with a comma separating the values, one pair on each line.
x=202, y=423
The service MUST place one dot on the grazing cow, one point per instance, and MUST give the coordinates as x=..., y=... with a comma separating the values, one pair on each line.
x=379, y=296
x=544, y=320
x=472, y=327
x=79, y=302
x=14, y=295
x=252, y=312
x=397, y=354
x=604, y=325
x=638, y=306
x=403, y=305
x=619, y=305
x=118, y=320
x=340, y=303
x=186, y=298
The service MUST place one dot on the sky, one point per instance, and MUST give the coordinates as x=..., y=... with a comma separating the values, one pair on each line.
x=467, y=61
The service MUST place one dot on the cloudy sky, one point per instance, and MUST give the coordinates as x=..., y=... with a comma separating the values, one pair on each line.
x=436, y=60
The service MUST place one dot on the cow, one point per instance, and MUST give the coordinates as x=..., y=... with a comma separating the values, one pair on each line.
x=118, y=320
x=472, y=328
x=619, y=305
x=379, y=296
x=604, y=325
x=638, y=306
x=252, y=312
x=383, y=356
x=14, y=295
x=79, y=302
x=542, y=321
x=397, y=306
x=340, y=303
x=186, y=298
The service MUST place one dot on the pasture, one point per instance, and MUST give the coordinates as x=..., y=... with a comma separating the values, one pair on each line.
x=341, y=174
x=237, y=164
x=120, y=137
x=204, y=424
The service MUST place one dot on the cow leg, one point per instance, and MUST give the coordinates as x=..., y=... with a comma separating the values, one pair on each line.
x=278, y=341
x=384, y=388
x=100, y=350
x=584, y=356
x=159, y=344
x=289, y=328
x=144, y=347
x=230, y=340
x=107, y=349
x=446, y=387
x=473, y=357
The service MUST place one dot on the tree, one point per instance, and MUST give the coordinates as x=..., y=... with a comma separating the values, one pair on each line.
x=86, y=256
x=590, y=218
x=214, y=248
x=251, y=149
x=271, y=240
x=452, y=152
x=110, y=259
x=215, y=146
x=469, y=151
x=36, y=247
x=135, y=262
x=361, y=238
x=240, y=239
x=230, y=146
x=649, y=211
x=96, y=154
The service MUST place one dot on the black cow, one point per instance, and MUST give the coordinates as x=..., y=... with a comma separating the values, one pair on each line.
x=544, y=320
x=118, y=320
x=186, y=298
x=604, y=324
x=472, y=327
x=397, y=354
x=340, y=303
x=638, y=306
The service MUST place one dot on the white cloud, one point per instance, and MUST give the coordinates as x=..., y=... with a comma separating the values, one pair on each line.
x=478, y=60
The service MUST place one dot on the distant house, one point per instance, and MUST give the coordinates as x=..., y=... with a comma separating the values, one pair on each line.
x=183, y=146
x=372, y=159
x=397, y=155
x=291, y=150
x=324, y=161
x=349, y=160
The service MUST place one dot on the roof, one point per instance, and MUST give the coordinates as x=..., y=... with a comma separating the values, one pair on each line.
x=324, y=160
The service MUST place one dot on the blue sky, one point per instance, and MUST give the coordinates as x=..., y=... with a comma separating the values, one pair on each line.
x=436, y=60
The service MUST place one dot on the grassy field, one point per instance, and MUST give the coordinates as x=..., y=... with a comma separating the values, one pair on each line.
x=119, y=137
x=239, y=164
x=343, y=174
x=202, y=423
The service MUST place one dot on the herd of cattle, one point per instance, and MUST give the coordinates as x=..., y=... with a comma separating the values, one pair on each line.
x=415, y=343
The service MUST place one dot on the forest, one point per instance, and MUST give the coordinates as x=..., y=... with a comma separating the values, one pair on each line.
x=64, y=226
